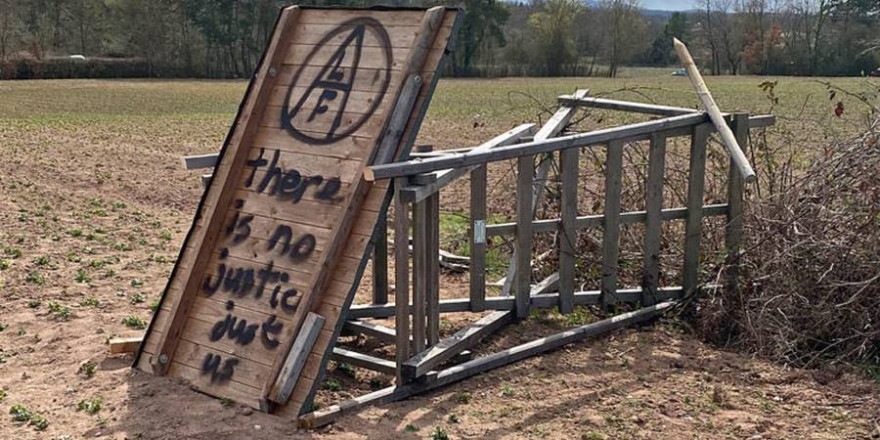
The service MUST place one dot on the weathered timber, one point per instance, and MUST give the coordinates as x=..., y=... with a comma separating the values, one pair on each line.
x=125, y=345
x=523, y=247
x=627, y=106
x=380, y=261
x=694, y=221
x=542, y=301
x=596, y=221
x=484, y=364
x=443, y=178
x=463, y=339
x=567, y=237
x=477, y=232
x=555, y=125
x=362, y=360
x=653, y=219
x=597, y=137
x=611, y=221
x=200, y=161
x=729, y=140
x=401, y=279
x=296, y=358
x=734, y=227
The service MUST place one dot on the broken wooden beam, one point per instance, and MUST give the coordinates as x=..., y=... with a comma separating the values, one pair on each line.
x=363, y=360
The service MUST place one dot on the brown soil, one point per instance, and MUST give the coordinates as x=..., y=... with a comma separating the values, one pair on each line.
x=122, y=188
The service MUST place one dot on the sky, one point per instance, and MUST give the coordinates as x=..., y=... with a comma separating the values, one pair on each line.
x=668, y=5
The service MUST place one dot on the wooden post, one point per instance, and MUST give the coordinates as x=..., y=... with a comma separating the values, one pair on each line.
x=653, y=221
x=380, y=261
x=478, y=240
x=694, y=221
x=420, y=249
x=433, y=268
x=611, y=222
x=733, y=230
x=401, y=278
x=523, y=249
x=739, y=158
x=569, y=159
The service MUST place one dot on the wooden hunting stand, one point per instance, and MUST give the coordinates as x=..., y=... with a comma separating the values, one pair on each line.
x=420, y=352
x=344, y=120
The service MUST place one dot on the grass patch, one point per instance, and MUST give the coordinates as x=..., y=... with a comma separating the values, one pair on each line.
x=135, y=322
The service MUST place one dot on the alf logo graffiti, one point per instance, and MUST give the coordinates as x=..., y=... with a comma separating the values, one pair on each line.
x=318, y=114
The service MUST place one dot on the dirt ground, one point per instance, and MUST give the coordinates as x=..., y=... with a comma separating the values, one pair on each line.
x=94, y=206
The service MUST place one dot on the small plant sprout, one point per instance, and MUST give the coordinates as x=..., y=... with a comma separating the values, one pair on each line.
x=332, y=385
x=463, y=397
x=411, y=428
x=4, y=264
x=165, y=235
x=61, y=312
x=90, y=406
x=439, y=434
x=507, y=391
x=154, y=306
x=135, y=322
x=136, y=283
x=88, y=369
x=36, y=278
x=90, y=301
x=227, y=402
x=2, y=395
x=82, y=276
x=137, y=298
x=33, y=304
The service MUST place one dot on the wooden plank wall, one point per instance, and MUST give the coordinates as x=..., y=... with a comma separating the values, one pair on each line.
x=294, y=189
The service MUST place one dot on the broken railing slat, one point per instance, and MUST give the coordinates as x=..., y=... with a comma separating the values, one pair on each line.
x=463, y=339
x=364, y=361
x=443, y=178
x=484, y=364
x=628, y=132
x=729, y=140
x=634, y=107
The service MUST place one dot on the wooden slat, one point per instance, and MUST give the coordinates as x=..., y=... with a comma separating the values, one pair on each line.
x=463, y=339
x=432, y=309
x=477, y=268
x=596, y=221
x=634, y=107
x=420, y=247
x=200, y=161
x=523, y=247
x=694, y=222
x=569, y=160
x=542, y=301
x=611, y=232
x=653, y=219
x=401, y=278
x=380, y=332
x=296, y=357
x=125, y=345
x=735, y=184
x=380, y=261
x=363, y=360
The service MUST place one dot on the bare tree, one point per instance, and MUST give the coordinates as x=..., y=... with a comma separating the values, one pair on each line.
x=622, y=21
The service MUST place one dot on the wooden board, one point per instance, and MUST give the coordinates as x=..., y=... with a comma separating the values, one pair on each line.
x=284, y=228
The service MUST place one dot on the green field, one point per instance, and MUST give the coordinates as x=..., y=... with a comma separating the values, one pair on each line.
x=94, y=206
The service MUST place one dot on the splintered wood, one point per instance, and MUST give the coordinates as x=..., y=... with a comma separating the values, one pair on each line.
x=283, y=230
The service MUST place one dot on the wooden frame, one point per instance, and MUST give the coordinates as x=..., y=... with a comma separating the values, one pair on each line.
x=420, y=353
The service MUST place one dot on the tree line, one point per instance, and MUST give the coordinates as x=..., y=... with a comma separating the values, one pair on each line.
x=225, y=38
